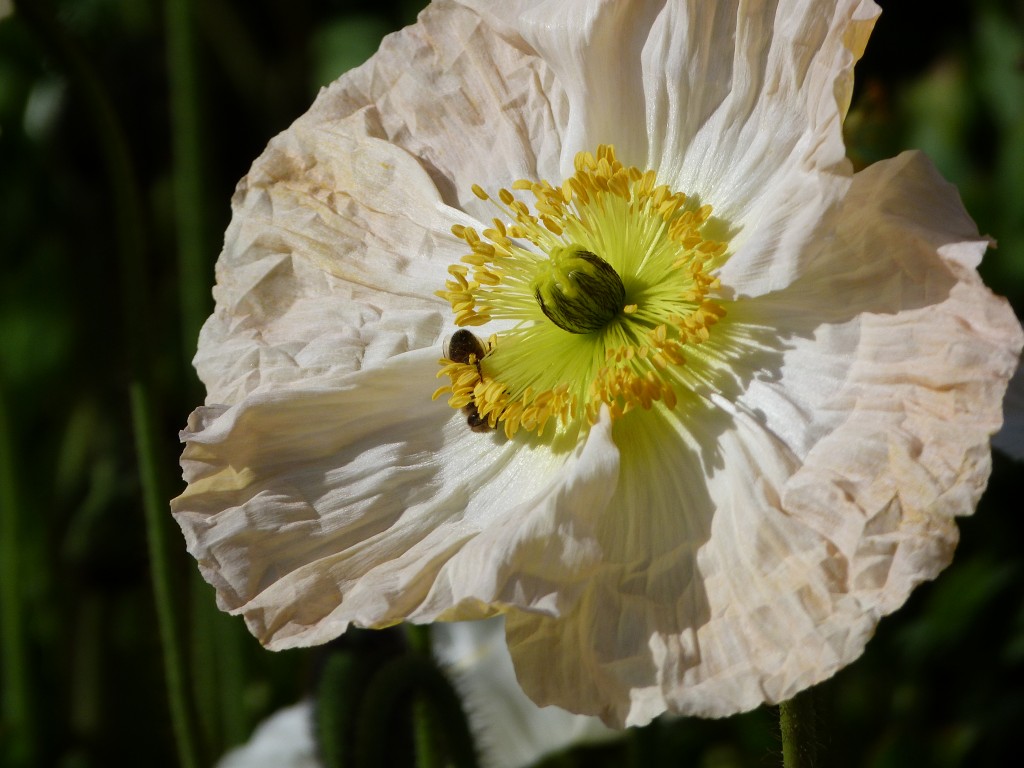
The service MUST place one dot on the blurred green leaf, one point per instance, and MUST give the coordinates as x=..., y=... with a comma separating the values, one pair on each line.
x=955, y=605
x=343, y=44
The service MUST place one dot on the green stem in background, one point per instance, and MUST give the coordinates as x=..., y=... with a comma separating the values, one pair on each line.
x=157, y=521
x=798, y=727
x=204, y=666
x=136, y=306
x=231, y=672
x=642, y=745
x=341, y=683
x=17, y=695
x=218, y=666
x=189, y=189
x=418, y=637
x=395, y=684
x=125, y=196
x=217, y=639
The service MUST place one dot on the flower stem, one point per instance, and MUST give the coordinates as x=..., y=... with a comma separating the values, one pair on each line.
x=136, y=308
x=398, y=681
x=126, y=198
x=798, y=726
x=155, y=508
x=189, y=188
x=418, y=637
x=342, y=679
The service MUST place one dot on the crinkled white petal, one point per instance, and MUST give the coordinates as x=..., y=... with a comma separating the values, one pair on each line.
x=468, y=104
x=755, y=542
x=283, y=740
x=309, y=510
x=740, y=104
x=718, y=95
x=333, y=237
x=902, y=247
x=510, y=730
x=341, y=230
x=685, y=612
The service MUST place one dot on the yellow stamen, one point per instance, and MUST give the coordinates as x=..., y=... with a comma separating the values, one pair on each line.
x=631, y=358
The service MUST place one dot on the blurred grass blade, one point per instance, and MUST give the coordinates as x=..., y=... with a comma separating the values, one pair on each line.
x=219, y=670
x=157, y=522
x=189, y=190
x=216, y=639
x=136, y=309
x=40, y=17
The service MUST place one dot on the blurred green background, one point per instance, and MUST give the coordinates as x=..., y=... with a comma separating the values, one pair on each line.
x=124, y=126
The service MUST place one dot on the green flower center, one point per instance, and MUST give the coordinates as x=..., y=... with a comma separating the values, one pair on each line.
x=607, y=283
x=578, y=290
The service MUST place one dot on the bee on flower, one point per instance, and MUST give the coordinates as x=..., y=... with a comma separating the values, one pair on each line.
x=726, y=397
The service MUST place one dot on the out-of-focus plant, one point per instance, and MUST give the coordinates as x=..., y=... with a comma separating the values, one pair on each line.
x=82, y=674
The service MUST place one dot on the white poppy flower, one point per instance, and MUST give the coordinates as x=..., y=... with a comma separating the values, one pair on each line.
x=694, y=491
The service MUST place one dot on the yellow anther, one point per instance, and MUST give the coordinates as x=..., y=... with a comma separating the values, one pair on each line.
x=486, y=277
x=623, y=216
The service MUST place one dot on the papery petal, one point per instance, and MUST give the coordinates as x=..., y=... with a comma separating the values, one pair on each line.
x=509, y=729
x=664, y=623
x=333, y=237
x=471, y=106
x=742, y=106
x=346, y=216
x=312, y=509
x=756, y=542
x=755, y=127
x=741, y=92
x=902, y=259
x=593, y=47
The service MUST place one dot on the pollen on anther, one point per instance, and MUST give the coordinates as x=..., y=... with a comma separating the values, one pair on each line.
x=604, y=204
